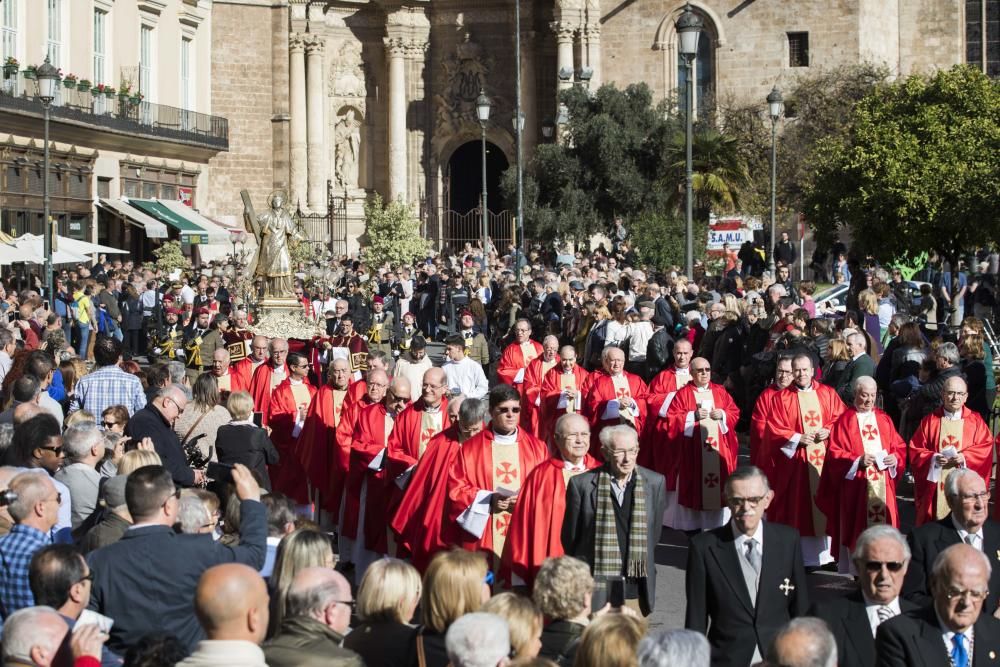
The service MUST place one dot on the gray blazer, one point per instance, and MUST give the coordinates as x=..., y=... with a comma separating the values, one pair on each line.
x=579, y=533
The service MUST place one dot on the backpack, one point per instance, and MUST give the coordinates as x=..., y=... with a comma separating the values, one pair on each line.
x=105, y=325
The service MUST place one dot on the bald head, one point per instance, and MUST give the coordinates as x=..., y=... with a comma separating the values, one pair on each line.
x=340, y=373
x=954, y=394
x=453, y=405
x=231, y=602
x=322, y=594
x=26, y=411
x=434, y=387
x=259, y=347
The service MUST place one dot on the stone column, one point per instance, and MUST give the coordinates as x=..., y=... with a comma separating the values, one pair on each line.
x=297, y=109
x=593, y=33
x=395, y=49
x=529, y=96
x=564, y=54
x=316, y=94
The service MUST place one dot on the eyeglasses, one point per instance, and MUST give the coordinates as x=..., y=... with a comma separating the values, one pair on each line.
x=701, y=370
x=177, y=405
x=752, y=501
x=55, y=450
x=977, y=596
x=348, y=603
x=622, y=453
x=876, y=565
x=87, y=577
x=58, y=498
x=109, y=424
x=509, y=411
x=972, y=497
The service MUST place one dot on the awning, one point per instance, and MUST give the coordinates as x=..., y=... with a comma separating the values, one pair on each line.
x=191, y=233
x=154, y=228
x=217, y=233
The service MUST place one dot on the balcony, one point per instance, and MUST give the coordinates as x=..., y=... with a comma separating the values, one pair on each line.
x=128, y=118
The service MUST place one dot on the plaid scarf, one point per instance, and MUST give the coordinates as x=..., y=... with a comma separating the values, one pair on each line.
x=607, y=554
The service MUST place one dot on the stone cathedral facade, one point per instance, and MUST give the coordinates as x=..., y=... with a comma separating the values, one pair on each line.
x=378, y=96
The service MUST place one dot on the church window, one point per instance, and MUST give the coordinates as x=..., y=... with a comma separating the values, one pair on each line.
x=798, y=49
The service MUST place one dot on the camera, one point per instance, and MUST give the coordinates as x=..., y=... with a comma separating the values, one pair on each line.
x=7, y=497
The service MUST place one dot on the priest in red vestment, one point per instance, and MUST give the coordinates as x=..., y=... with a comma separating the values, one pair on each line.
x=655, y=450
x=531, y=390
x=322, y=450
x=227, y=380
x=760, y=456
x=365, y=501
x=562, y=392
x=239, y=338
x=515, y=359
x=415, y=427
x=953, y=436
x=614, y=396
x=288, y=407
x=701, y=425
x=377, y=361
x=419, y=523
x=858, y=486
x=485, y=479
x=535, y=531
x=259, y=349
x=797, y=437
x=268, y=376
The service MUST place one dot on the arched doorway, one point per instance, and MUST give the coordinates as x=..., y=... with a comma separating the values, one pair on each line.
x=463, y=184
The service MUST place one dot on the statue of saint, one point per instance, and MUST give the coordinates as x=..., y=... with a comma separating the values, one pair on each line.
x=347, y=136
x=274, y=229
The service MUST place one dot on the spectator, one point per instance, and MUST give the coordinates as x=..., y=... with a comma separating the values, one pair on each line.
x=319, y=613
x=946, y=359
x=114, y=418
x=242, y=441
x=387, y=599
x=524, y=622
x=563, y=590
x=455, y=584
x=37, y=444
x=298, y=550
x=25, y=389
x=198, y=513
x=137, y=458
x=280, y=522
x=201, y=420
x=41, y=367
x=32, y=636
x=178, y=376
x=478, y=640
x=157, y=649
x=803, y=642
x=35, y=512
x=140, y=603
x=154, y=421
x=107, y=384
x=838, y=356
x=84, y=447
x=666, y=648
x=974, y=369
x=114, y=521
x=7, y=473
x=231, y=604
x=611, y=640
x=7, y=348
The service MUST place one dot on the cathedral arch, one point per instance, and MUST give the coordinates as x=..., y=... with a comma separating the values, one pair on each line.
x=706, y=63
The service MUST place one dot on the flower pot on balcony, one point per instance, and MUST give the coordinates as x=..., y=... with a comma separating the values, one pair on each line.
x=134, y=100
x=9, y=71
x=29, y=74
x=110, y=94
x=69, y=84
x=84, y=85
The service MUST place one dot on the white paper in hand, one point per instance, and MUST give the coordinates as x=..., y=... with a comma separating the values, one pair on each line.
x=880, y=459
x=504, y=492
x=376, y=463
x=612, y=409
x=519, y=378
x=404, y=478
x=88, y=617
x=475, y=517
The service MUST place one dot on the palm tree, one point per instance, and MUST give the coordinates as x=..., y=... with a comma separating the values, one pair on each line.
x=720, y=180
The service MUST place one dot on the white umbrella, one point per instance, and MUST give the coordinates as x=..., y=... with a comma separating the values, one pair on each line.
x=30, y=248
x=86, y=248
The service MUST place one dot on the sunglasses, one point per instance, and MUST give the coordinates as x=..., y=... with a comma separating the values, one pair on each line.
x=876, y=565
x=55, y=450
x=508, y=411
x=109, y=424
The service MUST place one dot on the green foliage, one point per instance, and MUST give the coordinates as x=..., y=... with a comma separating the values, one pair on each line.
x=169, y=257
x=659, y=239
x=302, y=251
x=919, y=170
x=720, y=176
x=393, y=233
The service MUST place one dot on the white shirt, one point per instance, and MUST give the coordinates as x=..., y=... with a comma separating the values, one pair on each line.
x=639, y=334
x=466, y=377
x=977, y=538
x=618, y=488
x=741, y=540
x=579, y=467
x=947, y=635
x=871, y=608
x=952, y=416
x=412, y=371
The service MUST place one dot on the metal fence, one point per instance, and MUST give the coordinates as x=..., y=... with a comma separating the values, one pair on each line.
x=457, y=229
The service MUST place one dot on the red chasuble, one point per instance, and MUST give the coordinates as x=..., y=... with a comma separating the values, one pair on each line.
x=760, y=456
x=655, y=452
x=260, y=389
x=245, y=369
x=414, y=429
x=552, y=387
x=852, y=505
x=474, y=470
x=323, y=454
x=514, y=358
x=419, y=523
x=369, y=439
x=288, y=476
x=231, y=382
x=707, y=455
x=536, y=524
x=531, y=393
x=973, y=440
x=796, y=479
x=601, y=389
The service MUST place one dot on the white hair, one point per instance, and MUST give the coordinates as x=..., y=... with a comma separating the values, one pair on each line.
x=192, y=514
x=607, y=436
x=816, y=646
x=956, y=476
x=29, y=628
x=667, y=648
x=875, y=533
x=477, y=640
x=80, y=438
x=864, y=379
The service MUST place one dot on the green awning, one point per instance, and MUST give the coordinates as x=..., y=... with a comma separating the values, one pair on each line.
x=190, y=232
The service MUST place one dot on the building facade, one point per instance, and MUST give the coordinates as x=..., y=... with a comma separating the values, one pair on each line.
x=131, y=120
x=378, y=96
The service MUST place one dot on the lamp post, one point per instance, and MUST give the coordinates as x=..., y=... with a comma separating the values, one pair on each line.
x=776, y=106
x=47, y=76
x=689, y=30
x=519, y=131
x=483, y=109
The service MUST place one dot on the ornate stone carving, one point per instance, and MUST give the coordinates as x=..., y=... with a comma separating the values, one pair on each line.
x=347, y=72
x=314, y=43
x=347, y=140
x=395, y=47
x=592, y=31
x=564, y=32
x=296, y=42
x=466, y=72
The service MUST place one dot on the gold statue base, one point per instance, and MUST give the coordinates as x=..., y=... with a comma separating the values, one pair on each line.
x=284, y=318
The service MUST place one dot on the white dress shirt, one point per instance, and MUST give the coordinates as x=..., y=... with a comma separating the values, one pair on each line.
x=977, y=538
x=871, y=608
x=466, y=377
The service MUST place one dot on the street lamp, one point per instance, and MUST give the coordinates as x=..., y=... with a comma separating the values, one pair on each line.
x=776, y=107
x=689, y=30
x=548, y=129
x=47, y=77
x=483, y=109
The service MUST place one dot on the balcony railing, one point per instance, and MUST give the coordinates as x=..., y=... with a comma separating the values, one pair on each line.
x=120, y=113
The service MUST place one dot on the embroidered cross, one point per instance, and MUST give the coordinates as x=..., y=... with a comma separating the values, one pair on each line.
x=816, y=457
x=506, y=473
x=501, y=522
x=711, y=480
x=623, y=393
x=709, y=444
x=951, y=441
x=427, y=434
x=872, y=473
x=786, y=587
x=876, y=513
x=812, y=418
x=869, y=432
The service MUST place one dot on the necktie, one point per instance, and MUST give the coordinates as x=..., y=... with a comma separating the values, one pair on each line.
x=972, y=540
x=753, y=556
x=884, y=612
x=959, y=656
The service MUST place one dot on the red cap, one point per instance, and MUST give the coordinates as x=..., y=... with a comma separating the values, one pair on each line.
x=202, y=311
x=168, y=298
x=465, y=312
x=173, y=311
x=378, y=299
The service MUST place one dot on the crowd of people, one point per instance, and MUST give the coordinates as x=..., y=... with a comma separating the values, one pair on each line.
x=179, y=488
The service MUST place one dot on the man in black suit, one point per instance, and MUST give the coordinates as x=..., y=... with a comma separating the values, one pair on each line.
x=146, y=581
x=968, y=497
x=745, y=579
x=619, y=507
x=861, y=365
x=880, y=558
x=952, y=629
x=156, y=421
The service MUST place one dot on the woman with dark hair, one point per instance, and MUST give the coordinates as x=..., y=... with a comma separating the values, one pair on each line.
x=910, y=352
x=131, y=309
x=200, y=422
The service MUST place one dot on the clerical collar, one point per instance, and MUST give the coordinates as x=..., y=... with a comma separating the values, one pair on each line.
x=615, y=375
x=574, y=467
x=809, y=388
x=952, y=416
x=292, y=380
x=436, y=409
x=705, y=388
x=682, y=371
x=505, y=439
